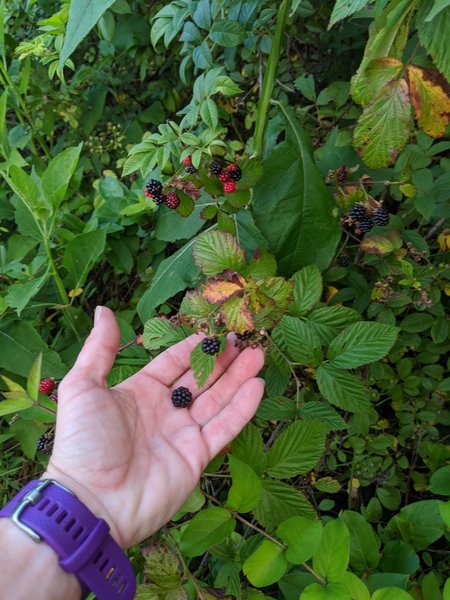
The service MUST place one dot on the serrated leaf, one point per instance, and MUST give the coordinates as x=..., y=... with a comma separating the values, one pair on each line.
x=307, y=290
x=332, y=556
x=211, y=526
x=319, y=411
x=301, y=536
x=81, y=254
x=246, y=486
x=327, y=485
x=226, y=86
x=434, y=37
x=194, y=305
x=202, y=365
x=361, y=343
x=227, y=33
x=384, y=127
x=376, y=244
x=18, y=295
x=277, y=407
x=266, y=565
x=162, y=567
x=377, y=75
x=345, y=8
x=249, y=448
x=209, y=113
x=218, y=291
x=280, y=501
x=302, y=345
x=430, y=99
x=262, y=264
x=159, y=332
x=216, y=251
x=327, y=321
x=342, y=389
x=236, y=315
x=297, y=449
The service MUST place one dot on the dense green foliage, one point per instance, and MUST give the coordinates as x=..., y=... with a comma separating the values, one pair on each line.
x=339, y=487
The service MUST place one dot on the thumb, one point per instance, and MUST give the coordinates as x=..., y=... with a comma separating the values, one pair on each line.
x=99, y=351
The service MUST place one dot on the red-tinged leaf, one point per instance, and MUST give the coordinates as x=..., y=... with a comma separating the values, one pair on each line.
x=186, y=187
x=430, y=95
x=376, y=244
x=218, y=291
x=236, y=315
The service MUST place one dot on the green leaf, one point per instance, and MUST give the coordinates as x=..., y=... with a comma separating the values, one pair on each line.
x=356, y=587
x=301, y=536
x=391, y=593
x=227, y=33
x=162, y=567
x=331, y=558
x=419, y=524
x=433, y=36
x=376, y=76
x=14, y=405
x=307, y=290
x=297, y=449
x=175, y=273
x=248, y=447
x=266, y=565
x=342, y=389
x=56, y=177
x=246, y=487
x=209, y=113
x=292, y=205
x=169, y=227
x=83, y=15
x=226, y=86
x=81, y=254
x=194, y=305
x=327, y=321
x=202, y=365
x=25, y=187
x=361, y=343
x=34, y=378
x=216, y=251
x=332, y=591
x=262, y=264
x=319, y=411
x=211, y=526
x=159, y=332
x=277, y=407
x=279, y=502
x=18, y=295
x=302, y=345
x=345, y=8
x=440, y=481
x=364, y=543
x=399, y=557
x=384, y=127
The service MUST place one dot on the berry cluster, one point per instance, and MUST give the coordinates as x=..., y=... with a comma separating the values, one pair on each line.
x=343, y=260
x=242, y=337
x=210, y=345
x=365, y=221
x=48, y=387
x=154, y=190
x=187, y=163
x=181, y=397
x=228, y=175
x=45, y=442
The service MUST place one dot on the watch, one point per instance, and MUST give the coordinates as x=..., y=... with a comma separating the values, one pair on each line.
x=48, y=511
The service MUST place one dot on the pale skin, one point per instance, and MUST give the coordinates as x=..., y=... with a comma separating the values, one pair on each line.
x=127, y=453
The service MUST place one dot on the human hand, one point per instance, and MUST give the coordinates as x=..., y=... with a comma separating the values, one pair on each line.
x=129, y=454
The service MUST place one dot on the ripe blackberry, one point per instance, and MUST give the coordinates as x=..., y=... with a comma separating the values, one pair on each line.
x=54, y=396
x=45, y=442
x=357, y=211
x=187, y=162
x=154, y=187
x=242, y=337
x=365, y=224
x=47, y=386
x=216, y=167
x=172, y=200
x=341, y=173
x=234, y=171
x=181, y=397
x=343, y=260
x=191, y=170
x=159, y=198
x=210, y=345
x=224, y=176
x=381, y=216
x=229, y=187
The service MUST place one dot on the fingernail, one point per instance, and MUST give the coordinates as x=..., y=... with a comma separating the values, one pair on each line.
x=261, y=380
x=97, y=315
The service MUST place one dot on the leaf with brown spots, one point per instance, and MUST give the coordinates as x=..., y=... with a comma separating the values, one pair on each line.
x=430, y=95
x=236, y=315
x=218, y=291
x=187, y=187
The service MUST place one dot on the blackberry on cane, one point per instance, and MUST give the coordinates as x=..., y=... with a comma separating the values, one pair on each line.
x=45, y=442
x=154, y=187
x=365, y=224
x=172, y=200
x=234, y=171
x=211, y=345
x=357, y=211
x=191, y=170
x=343, y=260
x=242, y=337
x=181, y=397
x=216, y=167
x=381, y=216
x=159, y=199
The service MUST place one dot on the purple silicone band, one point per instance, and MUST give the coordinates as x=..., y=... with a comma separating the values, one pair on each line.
x=79, y=538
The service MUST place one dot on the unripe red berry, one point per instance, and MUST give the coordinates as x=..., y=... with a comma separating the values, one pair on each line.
x=172, y=200
x=187, y=162
x=229, y=187
x=224, y=176
x=47, y=386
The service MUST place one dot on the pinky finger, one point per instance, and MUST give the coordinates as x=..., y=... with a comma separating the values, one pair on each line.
x=225, y=426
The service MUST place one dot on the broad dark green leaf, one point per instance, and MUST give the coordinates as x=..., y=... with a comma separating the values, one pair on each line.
x=361, y=343
x=328, y=321
x=297, y=449
x=20, y=294
x=331, y=558
x=301, y=536
x=345, y=8
x=246, y=486
x=277, y=407
x=301, y=343
x=216, y=251
x=434, y=34
x=364, y=543
x=280, y=501
x=210, y=526
x=293, y=207
x=83, y=16
x=419, y=524
x=320, y=411
x=202, y=364
x=342, y=389
x=249, y=448
x=307, y=290
x=399, y=557
x=440, y=481
x=266, y=565
x=227, y=33
x=81, y=255
x=56, y=177
x=332, y=591
x=391, y=593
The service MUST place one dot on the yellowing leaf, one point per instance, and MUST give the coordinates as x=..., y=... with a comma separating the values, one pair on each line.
x=75, y=293
x=218, y=291
x=447, y=290
x=408, y=190
x=430, y=95
x=236, y=315
x=376, y=244
x=377, y=74
x=384, y=127
x=443, y=240
x=331, y=291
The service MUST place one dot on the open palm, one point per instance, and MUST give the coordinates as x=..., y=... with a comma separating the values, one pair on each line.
x=127, y=452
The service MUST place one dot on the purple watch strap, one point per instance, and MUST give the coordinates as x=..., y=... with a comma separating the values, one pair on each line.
x=79, y=538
